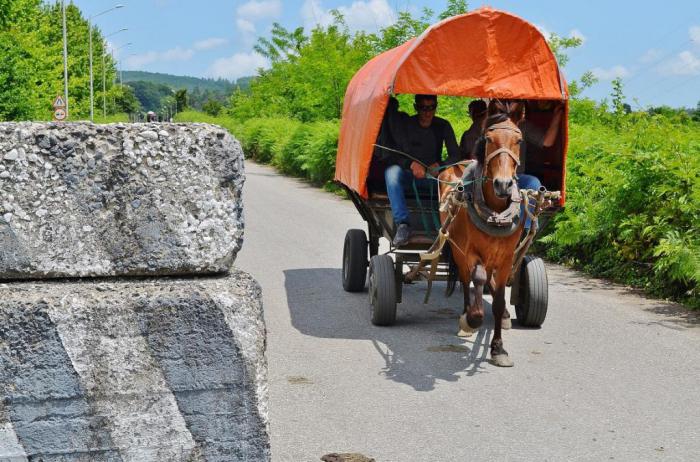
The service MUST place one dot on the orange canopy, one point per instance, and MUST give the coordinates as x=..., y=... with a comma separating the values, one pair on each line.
x=486, y=53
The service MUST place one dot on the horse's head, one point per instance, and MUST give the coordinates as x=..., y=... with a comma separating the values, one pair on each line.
x=500, y=151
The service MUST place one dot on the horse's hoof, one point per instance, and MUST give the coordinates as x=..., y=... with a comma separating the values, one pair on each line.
x=465, y=333
x=502, y=360
x=464, y=329
x=506, y=323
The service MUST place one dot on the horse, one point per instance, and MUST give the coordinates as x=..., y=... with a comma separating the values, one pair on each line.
x=485, y=224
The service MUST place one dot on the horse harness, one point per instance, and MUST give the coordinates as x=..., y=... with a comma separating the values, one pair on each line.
x=483, y=217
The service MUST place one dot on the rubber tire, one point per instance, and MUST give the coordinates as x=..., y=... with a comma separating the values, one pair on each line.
x=531, y=308
x=354, y=270
x=382, y=290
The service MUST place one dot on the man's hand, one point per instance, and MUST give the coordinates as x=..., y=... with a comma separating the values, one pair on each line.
x=418, y=170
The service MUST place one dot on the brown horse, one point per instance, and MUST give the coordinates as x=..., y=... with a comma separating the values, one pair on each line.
x=485, y=225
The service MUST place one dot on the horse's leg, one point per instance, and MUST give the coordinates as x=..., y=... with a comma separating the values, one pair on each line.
x=499, y=355
x=473, y=314
x=505, y=320
x=474, y=310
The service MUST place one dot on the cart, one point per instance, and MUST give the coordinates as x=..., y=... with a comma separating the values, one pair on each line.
x=507, y=58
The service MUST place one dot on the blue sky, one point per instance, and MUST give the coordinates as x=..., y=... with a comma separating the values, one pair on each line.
x=653, y=46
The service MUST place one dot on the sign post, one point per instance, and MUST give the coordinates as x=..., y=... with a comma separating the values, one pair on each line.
x=60, y=112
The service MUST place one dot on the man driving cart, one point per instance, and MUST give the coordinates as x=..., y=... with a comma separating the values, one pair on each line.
x=411, y=147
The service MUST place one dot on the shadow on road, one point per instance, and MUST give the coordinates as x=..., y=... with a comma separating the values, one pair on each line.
x=419, y=350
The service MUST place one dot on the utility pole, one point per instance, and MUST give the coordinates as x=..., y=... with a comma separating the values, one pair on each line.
x=104, y=78
x=104, y=87
x=92, y=91
x=65, y=55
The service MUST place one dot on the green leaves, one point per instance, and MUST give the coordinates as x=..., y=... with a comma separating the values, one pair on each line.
x=31, y=69
x=633, y=207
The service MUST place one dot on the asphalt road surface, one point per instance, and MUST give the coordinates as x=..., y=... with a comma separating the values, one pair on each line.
x=609, y=376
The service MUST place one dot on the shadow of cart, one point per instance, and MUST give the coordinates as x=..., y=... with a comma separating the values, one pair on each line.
x=421, y=349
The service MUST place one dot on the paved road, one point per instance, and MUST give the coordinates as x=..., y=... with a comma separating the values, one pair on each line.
x=610, y=376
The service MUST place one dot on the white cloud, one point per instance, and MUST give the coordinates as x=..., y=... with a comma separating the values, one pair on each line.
x=177, y=54
x=245, y=26
x=686, y=63
x=573, y=33
x=694, y=33
x=138, y=61
x=210, y=43
x=259, y=9
x=650, y=56
x=238, y=65
x=611, y=73
x=313, y=13
x=248, y=32
x=367, y=15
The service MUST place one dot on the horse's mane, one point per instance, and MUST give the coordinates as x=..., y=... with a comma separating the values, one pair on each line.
x=498, y=111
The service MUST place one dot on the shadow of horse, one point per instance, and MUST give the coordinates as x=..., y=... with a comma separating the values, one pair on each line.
x=421, y=349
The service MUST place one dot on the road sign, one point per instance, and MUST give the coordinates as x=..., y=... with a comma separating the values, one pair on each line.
x=60, y=113
x=59, y=102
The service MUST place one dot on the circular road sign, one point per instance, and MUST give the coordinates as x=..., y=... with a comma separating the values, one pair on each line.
x=59, y=114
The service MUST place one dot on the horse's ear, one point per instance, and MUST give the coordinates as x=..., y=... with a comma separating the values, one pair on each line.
x=516, y=111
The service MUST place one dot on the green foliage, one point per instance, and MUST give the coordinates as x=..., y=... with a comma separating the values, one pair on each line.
x=119, y=117
x=618, y=97
x=454, y=8
x=31, y=69
x=212, y=107
x=633, y=201
x=125, y=100
x=405, y=28
x=309, y=84
x=559, y=45
x=150, y=94
x=181, y=99
x=221, y=86
x=284, y=45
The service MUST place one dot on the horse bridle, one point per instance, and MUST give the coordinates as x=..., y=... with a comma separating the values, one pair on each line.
x=499, y=151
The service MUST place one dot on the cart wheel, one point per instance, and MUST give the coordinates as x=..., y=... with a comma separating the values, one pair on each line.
x=354, y=260
x=382, y=290
x=531, y=307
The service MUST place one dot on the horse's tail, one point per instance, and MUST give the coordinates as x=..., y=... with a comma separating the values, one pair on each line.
x=451, y=270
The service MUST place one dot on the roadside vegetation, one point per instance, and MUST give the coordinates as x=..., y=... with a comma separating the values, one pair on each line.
x=31, y=69
x=633, y=194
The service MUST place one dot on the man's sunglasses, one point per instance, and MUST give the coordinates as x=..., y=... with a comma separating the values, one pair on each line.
x=428, y=108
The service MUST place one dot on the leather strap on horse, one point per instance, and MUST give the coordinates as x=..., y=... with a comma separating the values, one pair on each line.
x=488, y=221
x=451, y=205
x=434, y=257
x=501, y=151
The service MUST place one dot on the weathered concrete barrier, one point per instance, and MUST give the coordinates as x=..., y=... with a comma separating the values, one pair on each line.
x=80, y=199
x=162, y=369
x=127, y=368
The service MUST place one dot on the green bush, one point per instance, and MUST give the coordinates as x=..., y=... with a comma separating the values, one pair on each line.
x=262, y=139
x=633, y=194
x=290, y=158
x=633, y=203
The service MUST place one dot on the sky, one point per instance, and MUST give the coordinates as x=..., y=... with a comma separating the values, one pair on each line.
x=654, y=47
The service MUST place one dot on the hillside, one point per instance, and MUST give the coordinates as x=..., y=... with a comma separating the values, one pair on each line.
x=190, y=83
x=152, y=88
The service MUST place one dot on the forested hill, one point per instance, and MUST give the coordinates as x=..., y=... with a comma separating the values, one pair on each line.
x=190, y=83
